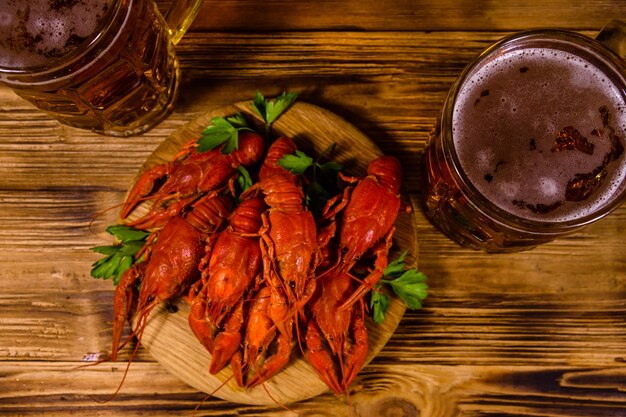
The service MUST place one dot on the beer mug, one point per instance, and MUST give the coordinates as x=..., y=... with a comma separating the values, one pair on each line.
x=104, y=65
x=530, y=144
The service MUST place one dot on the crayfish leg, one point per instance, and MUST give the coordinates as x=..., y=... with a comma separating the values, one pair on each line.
x=144, y=186
x=381, y=251
x=198, y=322
x=122, y=304
x=227, y=342
x=336, y=204
x=236, y=365
x=273, y=364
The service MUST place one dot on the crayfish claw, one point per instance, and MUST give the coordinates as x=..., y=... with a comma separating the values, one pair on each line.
x=143, y=187
x=272, y=364
x=227, y=342
x=357, y=353
x=321, y=359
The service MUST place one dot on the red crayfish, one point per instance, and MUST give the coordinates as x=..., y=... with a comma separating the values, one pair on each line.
x=190, y=175
x=258, y=273
x=336, y=336
x=170, y=263
x=230, y=270
x=288, y=237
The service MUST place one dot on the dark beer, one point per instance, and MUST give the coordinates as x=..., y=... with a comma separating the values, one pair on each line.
x=108, y=66
x=535, y=146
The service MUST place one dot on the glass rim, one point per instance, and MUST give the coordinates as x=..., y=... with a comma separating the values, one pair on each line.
x=82, y=49
x=484, y=205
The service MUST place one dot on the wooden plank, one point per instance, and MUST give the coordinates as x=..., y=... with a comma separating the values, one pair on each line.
x=538, y=333
x=33, y=388
x=389, y=85
x=560, y=304
x=402, y=15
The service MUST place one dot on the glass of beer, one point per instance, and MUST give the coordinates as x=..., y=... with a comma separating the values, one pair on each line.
x=104, y=65
x=530, y=143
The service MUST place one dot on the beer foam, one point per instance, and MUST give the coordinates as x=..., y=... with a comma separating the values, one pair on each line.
x=513, y=106
x=36, y=32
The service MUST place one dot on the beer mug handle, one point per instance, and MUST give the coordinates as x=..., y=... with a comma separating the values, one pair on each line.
x=613, y=36
x=179, y=16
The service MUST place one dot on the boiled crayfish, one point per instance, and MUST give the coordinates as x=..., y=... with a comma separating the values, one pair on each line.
x=170, y=263
x=264, y=275
x=189, y=176
x=231, y=269
x=336, y=336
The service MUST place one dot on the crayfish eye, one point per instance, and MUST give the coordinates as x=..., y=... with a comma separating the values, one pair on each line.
x=260, y=349
x=344, y=251
x=292, y=285
x=209, y=303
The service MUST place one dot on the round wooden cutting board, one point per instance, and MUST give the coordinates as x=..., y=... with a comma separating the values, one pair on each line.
x=167, y=336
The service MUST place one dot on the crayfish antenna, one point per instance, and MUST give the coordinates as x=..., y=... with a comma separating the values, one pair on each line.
x=115, y=206
x=101, y=213
x=269, y=394
x=138, y=334
x=119, y=386
x=211, y=394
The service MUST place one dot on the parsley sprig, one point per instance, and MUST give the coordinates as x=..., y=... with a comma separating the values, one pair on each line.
x=223, y=131
x=271, y=109
x=408, y=284
x=118, y=258
x=324, y=177
x=244, y=180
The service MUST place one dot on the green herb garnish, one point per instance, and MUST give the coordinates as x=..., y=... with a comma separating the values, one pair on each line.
x=270, y=110
x=324, y=177
x=244, y=181
x=222, y=131
x=296, y=163
x=408, y=284
x=118, y=258
x=379, y=303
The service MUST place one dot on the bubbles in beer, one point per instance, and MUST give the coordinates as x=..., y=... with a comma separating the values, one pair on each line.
x=36, y=32
x=536, y=97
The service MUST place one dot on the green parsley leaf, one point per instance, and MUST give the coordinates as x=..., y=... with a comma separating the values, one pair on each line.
x=222, y=131
x=411, y=288
x=270, y=110
x=258, y=105
x=316, y=197
x=105, y=250
x=396, y=267
x=379, y=303
x=126, y=233
x=118, y=258
x=131, y=248
x=296, y=164
x=408, y=284
x=244, y=181
x=330, y=168
x=324, y=181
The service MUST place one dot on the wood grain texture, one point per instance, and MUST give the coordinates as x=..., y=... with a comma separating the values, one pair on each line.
x=540, y=333
x=401, y=15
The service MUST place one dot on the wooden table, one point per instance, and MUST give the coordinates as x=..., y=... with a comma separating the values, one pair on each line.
x=539, y=333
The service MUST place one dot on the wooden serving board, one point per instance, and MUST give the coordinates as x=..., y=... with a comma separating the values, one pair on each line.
x=167, y=336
